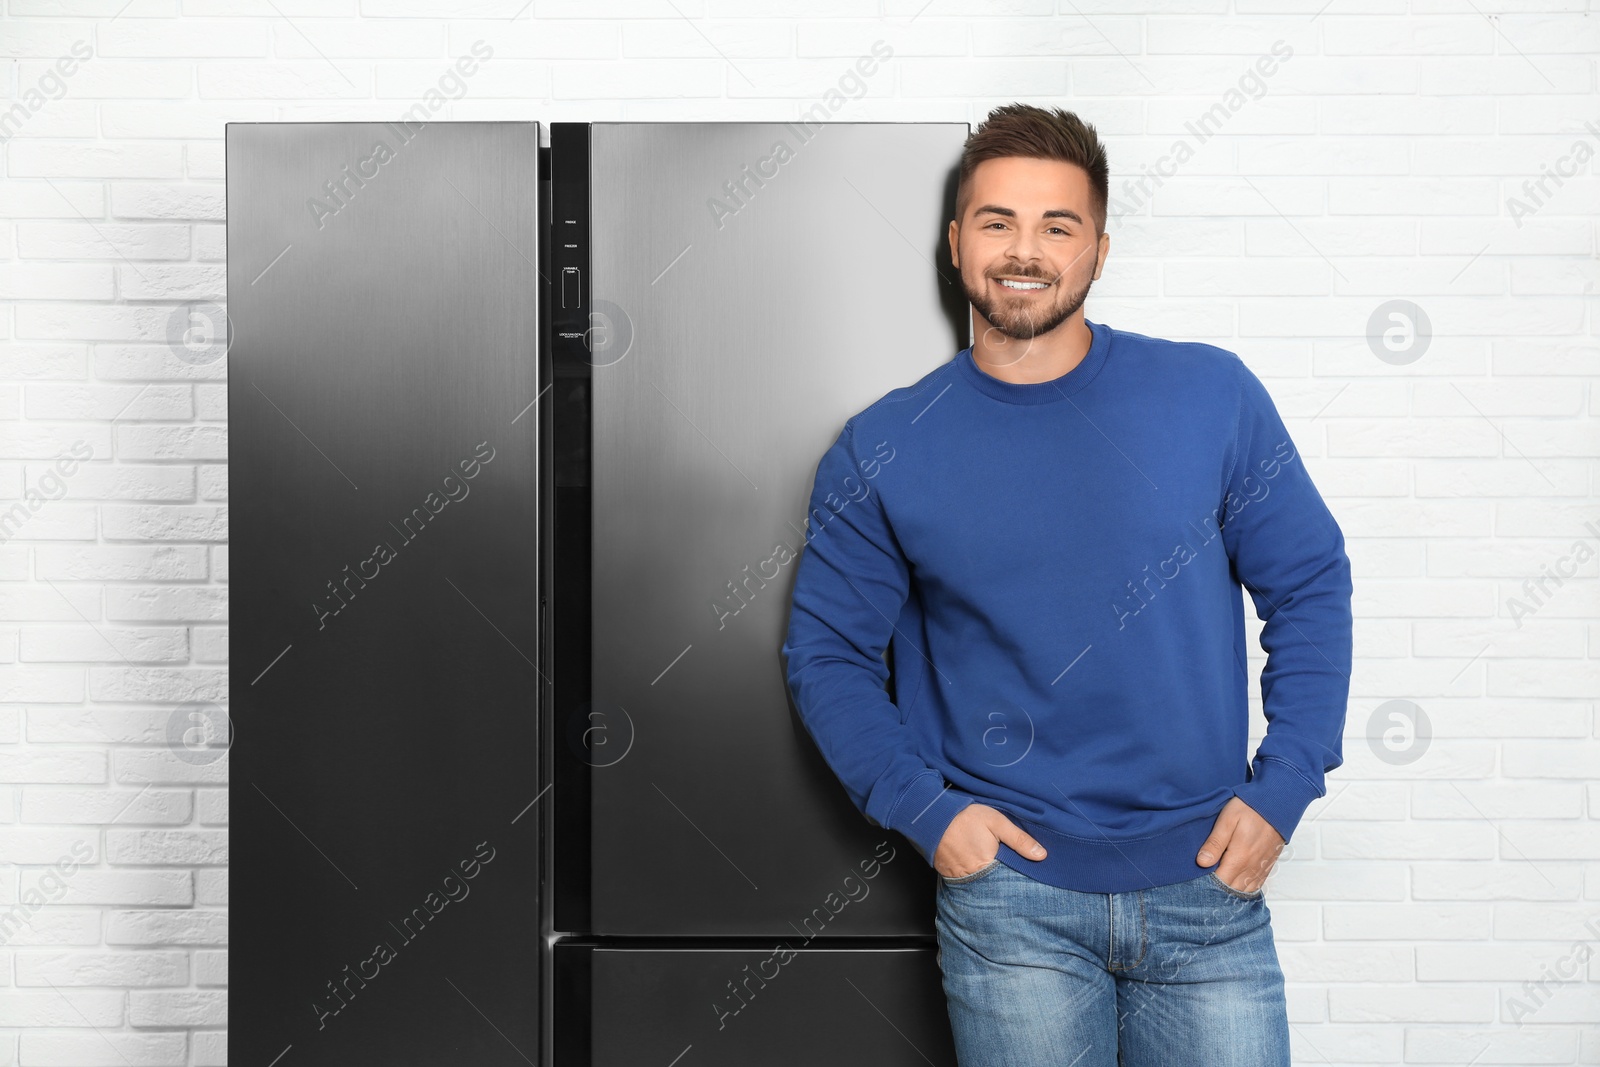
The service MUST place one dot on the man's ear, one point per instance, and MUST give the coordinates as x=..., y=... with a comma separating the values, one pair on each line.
x=952, y=233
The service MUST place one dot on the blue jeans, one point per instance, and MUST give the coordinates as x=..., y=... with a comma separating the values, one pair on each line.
x=1182, y=974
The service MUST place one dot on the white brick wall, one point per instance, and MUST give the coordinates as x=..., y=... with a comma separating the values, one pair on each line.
x=1420, y=903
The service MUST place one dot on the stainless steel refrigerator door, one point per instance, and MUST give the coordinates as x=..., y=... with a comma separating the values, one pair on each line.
x=756, y=287
x=382, y=285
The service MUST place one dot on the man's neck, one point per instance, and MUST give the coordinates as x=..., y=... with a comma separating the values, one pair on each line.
x=1037, y=359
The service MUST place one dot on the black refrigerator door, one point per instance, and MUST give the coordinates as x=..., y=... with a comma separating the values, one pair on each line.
x=382, y=287
x=776, y=1004
x=753, y=285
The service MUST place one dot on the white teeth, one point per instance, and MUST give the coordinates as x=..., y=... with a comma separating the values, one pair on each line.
x=1023, y=285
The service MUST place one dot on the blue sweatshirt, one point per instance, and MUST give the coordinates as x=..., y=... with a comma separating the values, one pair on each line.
x=1058, y=568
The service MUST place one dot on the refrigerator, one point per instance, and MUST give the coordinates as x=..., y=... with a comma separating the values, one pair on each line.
x=523, y=420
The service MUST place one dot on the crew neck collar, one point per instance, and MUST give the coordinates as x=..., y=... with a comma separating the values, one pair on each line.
x=1041, y=392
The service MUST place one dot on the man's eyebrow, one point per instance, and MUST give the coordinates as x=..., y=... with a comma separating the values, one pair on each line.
x=1053, y=213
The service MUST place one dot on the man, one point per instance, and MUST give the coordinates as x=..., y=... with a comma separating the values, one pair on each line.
x=1052, y=529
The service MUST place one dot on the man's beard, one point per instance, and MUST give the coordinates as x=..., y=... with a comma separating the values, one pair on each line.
x=1018, y=318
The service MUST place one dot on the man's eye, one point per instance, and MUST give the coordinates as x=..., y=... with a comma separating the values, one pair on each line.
x=1056, y=229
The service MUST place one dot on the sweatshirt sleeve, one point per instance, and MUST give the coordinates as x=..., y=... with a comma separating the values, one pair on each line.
x=1288, y=553
x=850, y=584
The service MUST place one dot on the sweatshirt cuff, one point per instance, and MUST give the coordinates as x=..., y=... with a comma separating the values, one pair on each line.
x=926, y=810
x=1279, y=793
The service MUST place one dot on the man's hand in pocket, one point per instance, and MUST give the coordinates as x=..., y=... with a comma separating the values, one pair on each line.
x=1243, y=845
x=973, y=839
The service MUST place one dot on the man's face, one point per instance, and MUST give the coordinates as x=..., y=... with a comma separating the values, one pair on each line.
x=1029, y=221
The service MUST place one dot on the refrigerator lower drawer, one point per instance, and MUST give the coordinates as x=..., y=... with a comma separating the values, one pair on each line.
x=759, y=1006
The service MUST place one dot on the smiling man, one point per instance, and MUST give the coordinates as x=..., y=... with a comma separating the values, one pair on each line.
x=1056, y=556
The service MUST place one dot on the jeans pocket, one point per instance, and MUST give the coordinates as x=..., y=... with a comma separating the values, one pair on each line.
x=965, y=879
x=1211, y=877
